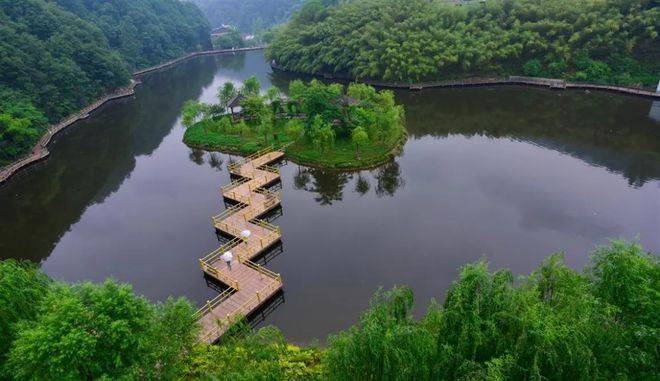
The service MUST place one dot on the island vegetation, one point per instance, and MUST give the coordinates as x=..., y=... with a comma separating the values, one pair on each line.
x=554, y=324
x=410, y=41
x=59, y=56
x=317, y=124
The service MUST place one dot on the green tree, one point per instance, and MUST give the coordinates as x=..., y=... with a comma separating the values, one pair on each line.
x=532, y=67
x=254, y=109
x=90, y=331
x=274, y=96
x=556, y=324
x=226, y=93
x=266, y=128
x=297, y=90
x=387, y=344
x=294, y=129
x=251, y=87
x=22, y=287
x=229, y=40
x=418, y=40
x=359, y=137
x=322, y=134
x=192, y=110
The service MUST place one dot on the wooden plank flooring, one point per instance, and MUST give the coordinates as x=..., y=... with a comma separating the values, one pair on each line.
x=249, y=285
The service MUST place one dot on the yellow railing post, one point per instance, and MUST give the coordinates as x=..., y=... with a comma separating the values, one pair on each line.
x=208, y=305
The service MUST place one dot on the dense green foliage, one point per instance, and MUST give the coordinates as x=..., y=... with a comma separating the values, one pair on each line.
x=555, y=324
x=22, y=288
x=613, y=41
x=231, y=39
x=87, y=331
x=321, y=125
x=248, y=15
x=263, y=355
x=21, y=124
x=58, y=56
x=145, y=32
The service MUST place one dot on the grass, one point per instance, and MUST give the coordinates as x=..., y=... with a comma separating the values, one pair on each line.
x=204, y=135
x=342, y=155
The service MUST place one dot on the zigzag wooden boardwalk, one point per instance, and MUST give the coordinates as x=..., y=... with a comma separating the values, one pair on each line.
x=249, y=284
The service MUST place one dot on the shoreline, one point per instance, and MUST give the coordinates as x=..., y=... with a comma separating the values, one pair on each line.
x=397, y=149
x=40, y=150
x=513, y=80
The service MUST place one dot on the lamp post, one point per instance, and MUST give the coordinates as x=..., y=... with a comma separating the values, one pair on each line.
x=245, y=234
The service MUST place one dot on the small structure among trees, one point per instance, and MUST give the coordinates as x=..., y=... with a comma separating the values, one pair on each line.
x=312, y=115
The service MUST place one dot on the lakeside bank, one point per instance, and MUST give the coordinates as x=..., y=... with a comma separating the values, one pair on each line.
x=40, y=150
x=551, y=83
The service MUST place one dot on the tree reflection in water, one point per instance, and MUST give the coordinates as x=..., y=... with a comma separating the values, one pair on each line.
x=196, y=156
x=215, y=161
x=388, y=179
x=362, y=185
x=329, y=185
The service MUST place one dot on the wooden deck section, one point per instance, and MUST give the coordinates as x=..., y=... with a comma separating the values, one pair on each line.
x=249, y=284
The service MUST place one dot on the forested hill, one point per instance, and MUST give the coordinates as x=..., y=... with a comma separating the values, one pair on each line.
x=614, y=41
x=57, y=56
x=248, y=15
x=145, y=32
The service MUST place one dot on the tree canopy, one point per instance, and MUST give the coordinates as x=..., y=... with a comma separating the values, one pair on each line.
x=612, y=41
x=556, y=323
x=57, y=331
x=58, y=56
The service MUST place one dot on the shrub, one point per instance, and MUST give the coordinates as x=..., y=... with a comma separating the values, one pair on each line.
x=532, y=67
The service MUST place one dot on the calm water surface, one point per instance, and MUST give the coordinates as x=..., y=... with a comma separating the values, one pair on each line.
x=511, y=174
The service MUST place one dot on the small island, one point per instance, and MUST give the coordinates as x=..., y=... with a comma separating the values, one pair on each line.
x=320, y=125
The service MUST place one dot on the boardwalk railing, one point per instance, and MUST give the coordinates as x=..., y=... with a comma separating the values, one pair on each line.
x=254, y=200
x=228, y=213
x=267, y=225
x=270, y=169
x=239, y=312
x=210, y=304
x=235, y=166
x=234, y=184
x=262, y=270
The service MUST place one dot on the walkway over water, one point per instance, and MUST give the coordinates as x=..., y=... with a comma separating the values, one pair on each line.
x=249, y=284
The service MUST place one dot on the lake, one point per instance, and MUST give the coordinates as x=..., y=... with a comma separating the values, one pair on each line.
x=510, y=174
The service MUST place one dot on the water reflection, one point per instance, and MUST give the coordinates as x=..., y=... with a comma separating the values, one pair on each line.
x=604, y=130
x=91, y=160
x=197, y=156
x=328, y=186
x=388, y=179
x=362, y=185
x=654, y=113
x=509, y=173
x=215, y=161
